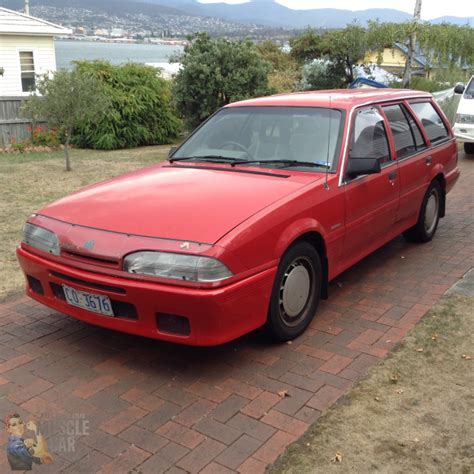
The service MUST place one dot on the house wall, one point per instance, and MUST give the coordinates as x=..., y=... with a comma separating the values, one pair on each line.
x=393, y=61
x=10, y=47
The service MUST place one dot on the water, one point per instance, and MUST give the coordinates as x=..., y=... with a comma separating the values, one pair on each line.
x=116, y=53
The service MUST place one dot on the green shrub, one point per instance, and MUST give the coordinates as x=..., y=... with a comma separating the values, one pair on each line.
x=216, y=72
x=140, y=113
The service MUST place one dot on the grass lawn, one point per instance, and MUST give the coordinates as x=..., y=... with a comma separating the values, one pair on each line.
x=414, y=413
x=29, y=181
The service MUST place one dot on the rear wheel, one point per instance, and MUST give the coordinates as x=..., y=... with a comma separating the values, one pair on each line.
x=428, y=220
x=469, y=148
x=296, y=292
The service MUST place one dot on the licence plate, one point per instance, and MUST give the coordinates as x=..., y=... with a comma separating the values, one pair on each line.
x=96, y=303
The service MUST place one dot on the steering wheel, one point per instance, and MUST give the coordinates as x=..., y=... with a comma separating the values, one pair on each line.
x=235, y=145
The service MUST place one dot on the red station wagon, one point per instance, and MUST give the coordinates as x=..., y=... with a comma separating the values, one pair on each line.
x=249, y=219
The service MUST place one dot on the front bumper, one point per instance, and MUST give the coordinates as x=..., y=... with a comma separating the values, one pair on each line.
x=464, y=132
x=215, y=315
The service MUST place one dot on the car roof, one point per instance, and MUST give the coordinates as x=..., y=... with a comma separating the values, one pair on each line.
x=335, y=98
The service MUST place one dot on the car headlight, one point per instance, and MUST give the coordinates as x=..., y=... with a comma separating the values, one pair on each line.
x=41, y=239
x=176, y=266
x=464, y=118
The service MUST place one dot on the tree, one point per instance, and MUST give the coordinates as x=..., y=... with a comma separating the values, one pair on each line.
x=286, y=71
x=307, y=46
x=66, y=99
x=141, y=111
x=343, y=49
x=320, y=74
x=216, y=72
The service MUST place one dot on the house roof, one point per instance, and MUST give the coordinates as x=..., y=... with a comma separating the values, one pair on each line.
x=16, y=23
x=418, y=56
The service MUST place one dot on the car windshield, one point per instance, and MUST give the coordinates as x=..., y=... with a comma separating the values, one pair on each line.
x=268, y=136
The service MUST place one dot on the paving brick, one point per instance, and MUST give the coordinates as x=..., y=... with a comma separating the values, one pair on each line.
x=143, y=438
x=214, y=468
x=252, y=427
x=181, y=434
x=212, y=393
x=195, y=412
x=201, y=456
x=123, y=420
x=252, y=466
x=163, y=459
x=36, y=388
x=335, y=364
x=238, y=452
x=315, y=352
x=296, y=399
x=96, y=385
x=285, y=423
x=228, y=408
x=303, y=382
x=91, y=462
x=260, y=405
x=104, y=442
x=217, y=430
x=14, y=362
x=175, y=394
x=125, y=461
x=159, y=417
x=241, y=388
x=325, y=397
x=275, y=446
x=363, y=363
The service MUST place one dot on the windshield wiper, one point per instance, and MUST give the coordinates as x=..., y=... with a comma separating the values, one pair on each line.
x=286, y=163
x=210, y=158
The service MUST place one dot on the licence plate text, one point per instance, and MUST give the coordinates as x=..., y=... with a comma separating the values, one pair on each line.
x=82, y=299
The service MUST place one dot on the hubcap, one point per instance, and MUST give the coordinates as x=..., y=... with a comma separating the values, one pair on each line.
x=295, y=291
x=431, y=212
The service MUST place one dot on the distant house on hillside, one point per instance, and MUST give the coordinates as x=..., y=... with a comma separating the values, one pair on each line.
x=393, y=61
x=26, y=50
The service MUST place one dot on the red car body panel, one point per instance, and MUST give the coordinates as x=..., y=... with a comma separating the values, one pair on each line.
x=244, y=216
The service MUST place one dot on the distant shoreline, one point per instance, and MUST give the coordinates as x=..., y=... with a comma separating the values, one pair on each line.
x=96, y=39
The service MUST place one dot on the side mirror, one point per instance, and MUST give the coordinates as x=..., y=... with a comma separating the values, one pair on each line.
x=172, y=151
x=360, y=166
x=459, y=89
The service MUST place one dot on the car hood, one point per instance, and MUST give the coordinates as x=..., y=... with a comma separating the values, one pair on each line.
x=184, y=202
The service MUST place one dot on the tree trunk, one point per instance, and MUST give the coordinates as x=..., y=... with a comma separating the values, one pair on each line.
x=66, y=152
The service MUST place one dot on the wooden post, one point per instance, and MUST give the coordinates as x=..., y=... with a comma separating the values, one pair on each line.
x=411, y=46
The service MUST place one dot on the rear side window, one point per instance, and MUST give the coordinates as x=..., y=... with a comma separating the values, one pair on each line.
x=429, y=117
x=369, y=138
x=406, y=134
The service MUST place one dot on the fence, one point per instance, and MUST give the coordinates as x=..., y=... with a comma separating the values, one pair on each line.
x=12, y=126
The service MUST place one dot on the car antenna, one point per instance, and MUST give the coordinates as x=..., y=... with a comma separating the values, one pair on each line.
x=326, y=185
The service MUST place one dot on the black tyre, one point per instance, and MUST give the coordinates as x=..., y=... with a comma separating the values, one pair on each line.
x=469, y=148
x=428, y=220
x=296, y=292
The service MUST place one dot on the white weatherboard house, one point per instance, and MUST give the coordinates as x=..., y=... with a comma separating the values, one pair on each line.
x=26, y=51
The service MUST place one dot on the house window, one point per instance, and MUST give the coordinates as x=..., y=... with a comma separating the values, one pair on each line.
x=27, y=64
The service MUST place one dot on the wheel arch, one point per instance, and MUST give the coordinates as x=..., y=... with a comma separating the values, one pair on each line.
x=314, y=237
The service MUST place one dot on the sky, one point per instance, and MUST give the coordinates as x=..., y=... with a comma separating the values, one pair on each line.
x=430, y=8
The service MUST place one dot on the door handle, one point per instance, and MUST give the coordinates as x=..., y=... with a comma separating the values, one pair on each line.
x=429, y=160
x=392, y=176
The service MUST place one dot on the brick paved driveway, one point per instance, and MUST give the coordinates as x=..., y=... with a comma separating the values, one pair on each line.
x=147, y=406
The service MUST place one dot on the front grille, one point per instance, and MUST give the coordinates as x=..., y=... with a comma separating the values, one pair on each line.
x=92, y=260
x=35, y=285
x=98, y=286
x=121, y=309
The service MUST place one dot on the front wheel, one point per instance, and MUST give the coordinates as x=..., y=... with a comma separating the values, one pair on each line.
x=469, y=148
x=296, y=292
x=425, y=229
